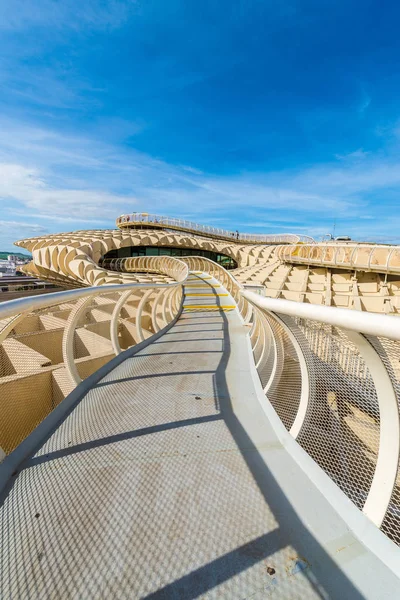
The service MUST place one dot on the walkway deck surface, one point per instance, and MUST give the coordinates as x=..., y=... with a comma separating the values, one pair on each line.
x=157, y=485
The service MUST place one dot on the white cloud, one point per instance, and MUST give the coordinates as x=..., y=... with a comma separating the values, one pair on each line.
x=353, y=156
x=31, y=189
x=60, y=219
x=15, y=229
x=17, y=15
x=364, y=103
x=5, y=225
x=81, y=181
x=56, y=171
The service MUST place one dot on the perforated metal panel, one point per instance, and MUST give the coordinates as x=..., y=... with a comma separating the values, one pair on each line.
x=32, y=374
x=341, y=426
x=341, y=429
x=283, y=374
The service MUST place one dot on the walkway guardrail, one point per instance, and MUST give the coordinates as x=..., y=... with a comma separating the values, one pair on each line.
x=196, y=263
x=158, y=221
x=368, y=257
x=50, y=343
x=333, y=378
x=199, y=263
x=332, y=375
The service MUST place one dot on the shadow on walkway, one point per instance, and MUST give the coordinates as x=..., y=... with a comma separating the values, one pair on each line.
x=324, y=576
x=329, y=582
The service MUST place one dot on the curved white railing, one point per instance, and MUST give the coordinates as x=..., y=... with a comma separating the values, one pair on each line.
x=198, y=263
x=158, y=221
x=163, y=265
x=367, y=257
x=49, y=344
x=333, y=377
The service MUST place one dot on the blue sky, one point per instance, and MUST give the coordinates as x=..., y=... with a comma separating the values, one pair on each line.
x=266, y=116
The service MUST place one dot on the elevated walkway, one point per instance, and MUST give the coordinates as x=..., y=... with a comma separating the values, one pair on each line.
x=145, y=220
x=167, y=480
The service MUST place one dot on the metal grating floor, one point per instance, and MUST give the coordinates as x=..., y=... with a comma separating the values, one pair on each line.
x=155, y=486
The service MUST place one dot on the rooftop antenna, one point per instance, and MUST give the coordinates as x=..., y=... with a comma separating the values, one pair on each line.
x=334, y=228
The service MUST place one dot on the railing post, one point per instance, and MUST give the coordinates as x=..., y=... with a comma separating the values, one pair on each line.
x=114, y=322
x=154, y=311
x=68, y=339
x=273, y=375
x=305, y=380
x=11, y=324
x=170, y=301
x=384, y=479
x=249, y=312
x=167, y=295
x=264, y=341
x=138, y=323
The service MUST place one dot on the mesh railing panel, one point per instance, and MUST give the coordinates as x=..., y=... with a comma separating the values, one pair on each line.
x=339, y=420
x=342, y=423
x=341, y=427
x=285, y=389
x=33, y=375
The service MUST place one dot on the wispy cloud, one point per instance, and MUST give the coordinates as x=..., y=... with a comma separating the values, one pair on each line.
x=364, y=103
x=84, y=182
x=10, y=230
x=52, y=218
x=30, y=188
x=17, y=15
x=31, y=226
x=356, y=155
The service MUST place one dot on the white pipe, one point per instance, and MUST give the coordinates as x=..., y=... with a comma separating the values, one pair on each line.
x=305, y=381
x=68, y=340
x=114, y=322
x=154, y=318
x=12, y=307
x=138, y=320
x=362, y=322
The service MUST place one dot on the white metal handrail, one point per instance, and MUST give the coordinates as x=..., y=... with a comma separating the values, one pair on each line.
x=369, y=257
x=231, y=284
x=138, y=219
x=361, y=322
x=199, y=263
x=349, y=359
x=22, y=305
x=65, y=313
x=331, y=374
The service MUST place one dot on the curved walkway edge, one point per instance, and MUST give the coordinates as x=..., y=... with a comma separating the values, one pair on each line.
x=172, y=478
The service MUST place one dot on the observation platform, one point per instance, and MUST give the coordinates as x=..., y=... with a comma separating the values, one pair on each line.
x=167, y=480
x=148, y=221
